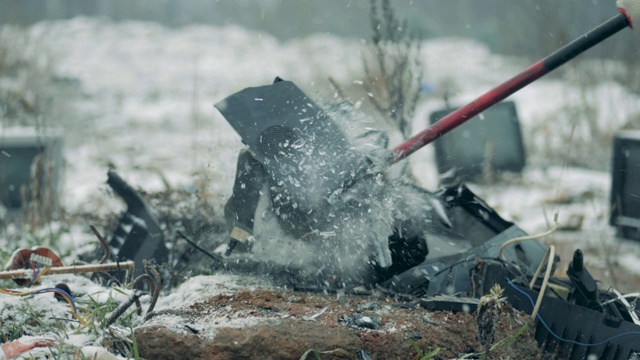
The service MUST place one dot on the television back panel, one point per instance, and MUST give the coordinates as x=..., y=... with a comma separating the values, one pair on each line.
x=20, y=148
x=625, y=184
x=490, y=140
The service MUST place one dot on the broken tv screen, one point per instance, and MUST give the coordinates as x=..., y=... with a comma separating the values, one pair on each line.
x=490, y=138
x=631, y=182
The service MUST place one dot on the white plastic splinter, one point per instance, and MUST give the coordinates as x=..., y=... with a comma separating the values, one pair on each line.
x=41, y=260
x=631, y=9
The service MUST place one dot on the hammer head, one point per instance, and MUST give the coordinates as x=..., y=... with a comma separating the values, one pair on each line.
x=631, y=9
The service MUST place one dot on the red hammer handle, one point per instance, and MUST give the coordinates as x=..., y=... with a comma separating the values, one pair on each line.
x=502, y=91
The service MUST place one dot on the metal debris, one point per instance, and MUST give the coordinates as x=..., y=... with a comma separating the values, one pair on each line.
x=358, y=320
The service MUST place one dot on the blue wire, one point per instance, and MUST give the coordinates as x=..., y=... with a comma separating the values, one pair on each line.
x=61, y=291
x=561, y=338
x=35, y=275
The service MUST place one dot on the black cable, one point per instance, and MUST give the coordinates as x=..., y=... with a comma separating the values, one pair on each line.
x=213, y=256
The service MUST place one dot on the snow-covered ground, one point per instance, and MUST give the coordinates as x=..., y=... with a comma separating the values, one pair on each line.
x=147, y=109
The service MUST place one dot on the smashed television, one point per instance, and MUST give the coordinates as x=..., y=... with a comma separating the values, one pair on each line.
x=489, y=143
x=625, y=184
x=31, y=161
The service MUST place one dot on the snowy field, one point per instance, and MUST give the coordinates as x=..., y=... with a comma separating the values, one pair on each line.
x=146, y=108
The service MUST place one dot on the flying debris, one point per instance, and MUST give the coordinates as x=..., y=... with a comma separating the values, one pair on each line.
x=323, y=189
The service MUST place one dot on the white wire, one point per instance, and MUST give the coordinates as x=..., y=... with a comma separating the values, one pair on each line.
x=623, y=300
x=549, y=255
x=620, y=296
x=529, y=237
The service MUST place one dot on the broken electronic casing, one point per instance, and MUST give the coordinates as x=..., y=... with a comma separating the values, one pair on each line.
x=625, y=184
x=138, y=236
x=587, y=328
x=483, y=231
x=585, y=323
x=305, y=153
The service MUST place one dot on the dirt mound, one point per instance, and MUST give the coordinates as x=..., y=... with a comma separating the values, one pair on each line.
x=269, y=324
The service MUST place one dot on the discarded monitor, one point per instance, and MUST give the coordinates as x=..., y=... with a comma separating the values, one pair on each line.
x=490, y=142
x=625, y=184
x=25, y=152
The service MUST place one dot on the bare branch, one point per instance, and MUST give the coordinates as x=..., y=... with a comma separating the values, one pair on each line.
x=394, y=86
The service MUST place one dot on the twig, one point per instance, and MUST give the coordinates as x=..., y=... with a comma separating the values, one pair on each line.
x=135, y=298
x=145, y=277
x=105, y=275
x=158, y=285
x=395, y=90
x=152, y=285
x=26, y=273
x=105, y=257
x=103, y=242
x=129, y=278
x=154, y=280
x=337, y=88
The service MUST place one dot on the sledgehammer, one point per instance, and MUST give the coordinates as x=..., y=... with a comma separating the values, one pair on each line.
x=628, y=16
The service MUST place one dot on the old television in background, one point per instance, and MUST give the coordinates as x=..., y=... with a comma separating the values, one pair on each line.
x=625, y=184
x=31, y=163
x=489, y=143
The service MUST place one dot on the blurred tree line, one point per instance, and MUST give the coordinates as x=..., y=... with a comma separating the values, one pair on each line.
x=531, y=28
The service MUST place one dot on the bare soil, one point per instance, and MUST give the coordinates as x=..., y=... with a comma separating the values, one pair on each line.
x=283, y=326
